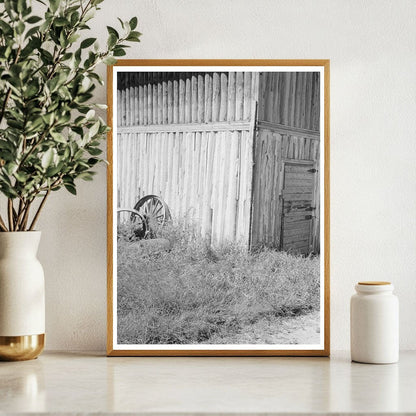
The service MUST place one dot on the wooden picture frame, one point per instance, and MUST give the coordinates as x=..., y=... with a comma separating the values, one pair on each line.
x=263, y=106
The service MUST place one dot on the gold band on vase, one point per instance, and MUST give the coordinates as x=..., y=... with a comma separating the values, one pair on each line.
x=23, y=347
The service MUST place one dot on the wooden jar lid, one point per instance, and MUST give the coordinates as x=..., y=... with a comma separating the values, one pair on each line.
x=374, y=283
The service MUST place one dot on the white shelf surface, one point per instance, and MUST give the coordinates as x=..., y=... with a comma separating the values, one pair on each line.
x=86, y=383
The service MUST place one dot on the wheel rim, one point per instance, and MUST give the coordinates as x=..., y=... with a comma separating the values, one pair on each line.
x=154, y=210
x=130, y=224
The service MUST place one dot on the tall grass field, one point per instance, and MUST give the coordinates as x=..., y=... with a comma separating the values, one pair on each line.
x=191, y=293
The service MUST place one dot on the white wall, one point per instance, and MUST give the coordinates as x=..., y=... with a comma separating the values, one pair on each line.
x=371, y=45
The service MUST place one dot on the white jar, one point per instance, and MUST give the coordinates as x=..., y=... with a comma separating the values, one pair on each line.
x=374, y=323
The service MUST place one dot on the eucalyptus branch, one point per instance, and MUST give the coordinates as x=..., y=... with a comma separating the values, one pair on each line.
x=35, y=218
x=43, y=146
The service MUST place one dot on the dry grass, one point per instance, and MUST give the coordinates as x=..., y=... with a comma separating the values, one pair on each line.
x=194, y=294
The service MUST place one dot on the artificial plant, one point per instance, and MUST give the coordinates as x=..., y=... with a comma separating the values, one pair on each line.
x=50, y=134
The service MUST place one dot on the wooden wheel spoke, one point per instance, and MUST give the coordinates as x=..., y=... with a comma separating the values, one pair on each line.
x=159, y=209
x=154, y=211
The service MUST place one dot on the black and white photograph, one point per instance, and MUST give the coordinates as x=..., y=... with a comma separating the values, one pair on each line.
x=218, y=209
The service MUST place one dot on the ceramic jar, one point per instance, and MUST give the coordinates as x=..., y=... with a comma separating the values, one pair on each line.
x=374, y=323
x=22, y=296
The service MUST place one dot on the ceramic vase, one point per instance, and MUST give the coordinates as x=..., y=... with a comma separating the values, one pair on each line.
x=374, y=323
x=22, y=296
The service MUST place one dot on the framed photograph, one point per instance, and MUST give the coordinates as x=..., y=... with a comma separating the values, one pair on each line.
x=218, y=208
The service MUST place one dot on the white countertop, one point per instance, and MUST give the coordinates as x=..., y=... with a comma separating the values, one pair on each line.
x=85, y=383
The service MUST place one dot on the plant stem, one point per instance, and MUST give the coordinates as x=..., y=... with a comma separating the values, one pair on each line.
x=2, y=224
x=10, y=213
x=20, y=214
x=39, y=210
x=26, y=216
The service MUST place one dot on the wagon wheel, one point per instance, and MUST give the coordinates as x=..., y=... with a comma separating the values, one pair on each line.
x=155, y=211
x=131, y=225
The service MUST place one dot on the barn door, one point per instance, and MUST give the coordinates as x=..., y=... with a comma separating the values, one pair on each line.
x=298, y=210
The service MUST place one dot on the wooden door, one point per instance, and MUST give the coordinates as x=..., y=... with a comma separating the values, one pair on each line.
x=298, y=210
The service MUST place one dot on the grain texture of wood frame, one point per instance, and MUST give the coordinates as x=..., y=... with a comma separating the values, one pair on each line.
x=245, y=65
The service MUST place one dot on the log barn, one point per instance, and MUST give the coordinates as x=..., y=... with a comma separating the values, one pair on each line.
x=235, y=153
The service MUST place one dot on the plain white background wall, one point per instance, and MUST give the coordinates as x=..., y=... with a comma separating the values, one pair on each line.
x=371, y=45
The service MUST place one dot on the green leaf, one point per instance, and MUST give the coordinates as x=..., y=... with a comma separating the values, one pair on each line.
x=21, y=177
x=110, y=60
x=119, y=52
x=52, y=171
x=53, y=83
x=33, y=19
x=134, y=37
x=90, y=115
x=61, y=21
x=21, y=5
x=111, y=30
x=58, y=137
x=89, y=15
x=70, y=188
x=94, y=151
x=31, y=90
x=6, y=29
x=10, y=8
x=87, y=42
x=67, y=153
x=32, y=31
x=86, y=176
x=34, y=125
x=11, y=168
x=47, y=158
x=20, y=28
x=74, y=18
x=94, y=129
x=112, y=41
x=133, y=23
x=92, y=161
x=73, y=38
x=48, y=118
x=121, y=22
x=54, y=4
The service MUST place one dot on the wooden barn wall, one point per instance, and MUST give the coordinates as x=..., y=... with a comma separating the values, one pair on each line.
x=188, y=137
x=154, y=98
x=271, y=148
x=204, y=177
x=290, y=99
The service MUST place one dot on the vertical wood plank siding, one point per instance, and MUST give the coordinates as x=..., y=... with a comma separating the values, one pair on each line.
x=270, y=149
x=175, y=98
x=290, y=99
x=204, y=175
x=288, y=102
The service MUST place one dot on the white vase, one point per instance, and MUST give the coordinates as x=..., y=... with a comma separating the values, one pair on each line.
x=374, y=323
x=22, y=296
